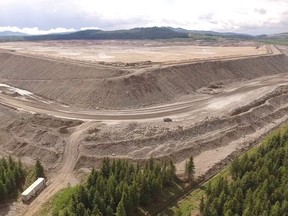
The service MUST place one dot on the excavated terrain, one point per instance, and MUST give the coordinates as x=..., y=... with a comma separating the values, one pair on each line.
x=92, y=86
x=72, y=114
x=30, y=136
x=180, y=142
x=98, y=87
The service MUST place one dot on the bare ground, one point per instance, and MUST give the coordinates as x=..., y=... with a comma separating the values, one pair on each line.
x=132, y=51
x=209, y=141
x=95, y=86
x=219, y=118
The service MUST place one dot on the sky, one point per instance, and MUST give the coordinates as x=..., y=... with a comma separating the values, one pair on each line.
x=54, y=16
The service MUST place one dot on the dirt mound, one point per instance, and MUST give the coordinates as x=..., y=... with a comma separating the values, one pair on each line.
x=138, y=142
x=34, y=136
x=91, y=86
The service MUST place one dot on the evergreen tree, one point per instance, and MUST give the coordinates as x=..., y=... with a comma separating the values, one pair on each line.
x=276, y=209
x=39, y=170
x=120, y=209
x=202, y=204
x=109, y=211
x=80, y=209
x=190, y=168
x=106, y=167
x=258, y=185
x=120, y=187
x=11, y=177
x=3, y=191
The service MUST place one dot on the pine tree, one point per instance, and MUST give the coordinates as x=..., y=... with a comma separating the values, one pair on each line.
x=190, y=168
x=111, y=185
x=134, y=194
x=80, y=209
x=39, y=170
x=105, y=167
x=120, y=211
x=65, y=212
x=202, y=205
x=258, y=185
x=109, y=211
x=96, y=211
x=119, y=187
x=82, y=196
x=102, y=206
x=3, y=191
x=145, y=193
x=276, y=209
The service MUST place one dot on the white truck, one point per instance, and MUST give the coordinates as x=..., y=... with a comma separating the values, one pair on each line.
x=32, y=190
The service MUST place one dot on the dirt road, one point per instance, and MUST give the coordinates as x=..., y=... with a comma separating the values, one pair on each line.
x=64, y=176
x=195, y=106
x=92, y=85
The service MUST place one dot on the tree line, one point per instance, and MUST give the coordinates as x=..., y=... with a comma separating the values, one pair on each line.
x=117, y=188
x=256, y=185
x=134, y=34
x=12, y=178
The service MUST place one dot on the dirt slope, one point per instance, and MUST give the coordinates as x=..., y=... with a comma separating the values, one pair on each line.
x=30, y=136
x=91, y=86
x=86, y=144
x=64, y=145
x=53, y=141
x=230, y=132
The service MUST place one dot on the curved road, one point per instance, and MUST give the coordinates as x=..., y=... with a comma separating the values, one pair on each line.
x=231, y=97
x=196, y=106
x=64, y=176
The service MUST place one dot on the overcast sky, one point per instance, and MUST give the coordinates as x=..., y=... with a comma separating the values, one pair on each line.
x=50, y=16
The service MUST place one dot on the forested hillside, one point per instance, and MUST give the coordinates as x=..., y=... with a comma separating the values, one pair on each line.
x=256, y=184
x=11, y=178
x=118, y=188
x=134, y=34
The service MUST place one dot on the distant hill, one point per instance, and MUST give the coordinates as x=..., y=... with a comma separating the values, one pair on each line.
x=11, y=36
x=224, y=34
x=281, y=38
x=193, y=33
x=140, y=34
x=136, y=33
x=281, y=35
x=10, y=33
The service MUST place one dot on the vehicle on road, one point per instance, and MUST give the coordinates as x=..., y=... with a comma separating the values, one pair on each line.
x=33, y=189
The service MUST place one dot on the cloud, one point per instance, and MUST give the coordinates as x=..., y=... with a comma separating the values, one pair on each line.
x=35, y=30
x=221, y=15
x=260, y=10
x=89, y=28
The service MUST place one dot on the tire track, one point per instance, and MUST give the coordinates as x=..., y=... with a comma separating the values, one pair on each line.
x=64, y=176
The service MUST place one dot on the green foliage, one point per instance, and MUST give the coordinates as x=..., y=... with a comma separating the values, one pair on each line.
x=118, y=188
x=12, y=177
x=39, y=170
x=280, y=41
x=136, y=33
x=121, y=209
x=257, y=183
x=63, y=200
x=190, y=168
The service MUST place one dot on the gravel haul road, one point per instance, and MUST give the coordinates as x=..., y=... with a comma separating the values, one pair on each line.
x=218, y=108
x=236, y=95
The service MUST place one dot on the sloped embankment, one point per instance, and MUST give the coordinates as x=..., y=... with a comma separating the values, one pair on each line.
x=31, y=136
x=91, y=86
x=243, y=128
